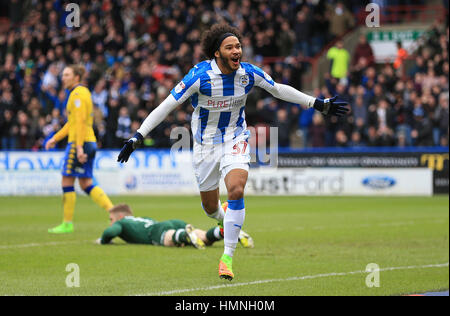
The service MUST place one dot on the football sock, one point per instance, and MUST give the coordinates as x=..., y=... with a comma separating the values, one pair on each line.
x=218, y=215
x=180, y=237
x=232, y=224
x=99, y=197
x=213, y=234
x=69, y=199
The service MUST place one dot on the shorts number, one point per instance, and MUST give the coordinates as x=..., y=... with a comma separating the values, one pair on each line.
x=237, y=148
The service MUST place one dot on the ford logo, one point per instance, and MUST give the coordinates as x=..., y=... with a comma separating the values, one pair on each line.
x=379, y=182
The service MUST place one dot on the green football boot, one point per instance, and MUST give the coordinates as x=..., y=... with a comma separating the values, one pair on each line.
x=64, y=228
x=226, y=267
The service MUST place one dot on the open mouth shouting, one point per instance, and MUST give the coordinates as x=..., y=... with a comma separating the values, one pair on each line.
x=235, y=61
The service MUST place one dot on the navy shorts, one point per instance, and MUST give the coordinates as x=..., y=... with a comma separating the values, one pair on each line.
x=72, y=167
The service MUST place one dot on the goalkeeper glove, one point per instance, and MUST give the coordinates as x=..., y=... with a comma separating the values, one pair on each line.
x=129, y=147
x=331, y=106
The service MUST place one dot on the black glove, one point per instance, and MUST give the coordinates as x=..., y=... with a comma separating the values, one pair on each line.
x=129, y=146
x=331, y=106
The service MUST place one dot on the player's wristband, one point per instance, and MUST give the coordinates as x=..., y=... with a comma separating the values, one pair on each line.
x=137, y=140
x=323, y=106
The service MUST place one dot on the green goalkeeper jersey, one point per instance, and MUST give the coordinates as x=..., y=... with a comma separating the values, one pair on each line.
x=135, y=230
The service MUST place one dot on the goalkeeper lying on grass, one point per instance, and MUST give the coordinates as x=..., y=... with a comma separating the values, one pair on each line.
x=144, y=230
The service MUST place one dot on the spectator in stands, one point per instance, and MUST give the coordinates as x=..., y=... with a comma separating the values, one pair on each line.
x=419, y=66
x=359, y=112
x=386, y=137
x=8, y=130
x=422, y=132
x=303, y=29
x=267, y=109
x=341, y=20
x=341, y=138
x=282, y=123
x=50, y=79
x=136, y=51
x=441, y=117
x=356, y=140
x=363, y=51
x=285, y=40
x=7, y=101
x=372, y=137
x=402, y=54
x=23, y=138
x=305, y=121
x=123, y=131
x=110, y=139
x=340, y=59
x=429, y=79
x=100, y=97
x=382, y=116
x=317, y=131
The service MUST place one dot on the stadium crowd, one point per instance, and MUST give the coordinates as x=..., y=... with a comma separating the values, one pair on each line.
x=136, y=51
x=392, y=105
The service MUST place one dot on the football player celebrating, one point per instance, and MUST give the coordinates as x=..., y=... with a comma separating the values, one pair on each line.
x=218, y=88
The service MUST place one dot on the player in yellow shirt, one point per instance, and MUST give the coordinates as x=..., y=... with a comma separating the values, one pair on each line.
x=80, y=150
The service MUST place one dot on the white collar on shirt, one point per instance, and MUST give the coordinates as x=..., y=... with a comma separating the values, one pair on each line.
x=216, y=68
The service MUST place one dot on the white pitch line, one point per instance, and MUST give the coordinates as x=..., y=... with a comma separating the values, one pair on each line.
x=324, y=275
x=52, y=243
x=385, y=224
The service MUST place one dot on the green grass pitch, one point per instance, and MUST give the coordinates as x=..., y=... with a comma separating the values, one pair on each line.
x=303, y=246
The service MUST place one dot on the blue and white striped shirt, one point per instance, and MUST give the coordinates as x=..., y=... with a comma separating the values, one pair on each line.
x=219, y=99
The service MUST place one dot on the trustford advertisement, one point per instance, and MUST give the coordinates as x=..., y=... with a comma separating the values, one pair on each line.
x=436, y=160
x=343, y=181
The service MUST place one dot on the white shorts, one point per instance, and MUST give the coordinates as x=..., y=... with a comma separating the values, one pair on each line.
x=213, y=161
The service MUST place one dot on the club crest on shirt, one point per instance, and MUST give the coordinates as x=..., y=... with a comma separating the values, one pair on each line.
x=180, y=87
x=77, y=103
x=243, y=80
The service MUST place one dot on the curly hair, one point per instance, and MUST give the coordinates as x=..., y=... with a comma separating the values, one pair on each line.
x=212, y=36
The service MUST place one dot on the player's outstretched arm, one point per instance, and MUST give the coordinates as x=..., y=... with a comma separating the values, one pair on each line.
x=188, y=86
x=152, y=120
x=110, y=233
x=287, y=93
x=329, y=106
